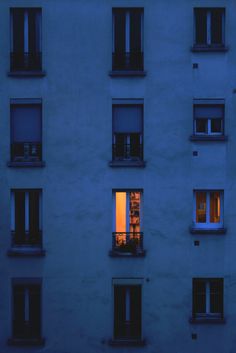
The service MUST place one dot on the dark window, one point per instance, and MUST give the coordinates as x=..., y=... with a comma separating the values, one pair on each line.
x=208, y=298
x=127, y=312
x=209, y=26
x=27, y=311
x=26, y=218
x=127, y=132
x=26, y=39
x=26, y=133
x=208, y=119
x=127, y=39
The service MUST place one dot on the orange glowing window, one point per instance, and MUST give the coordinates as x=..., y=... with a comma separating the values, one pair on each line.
x=209, y=208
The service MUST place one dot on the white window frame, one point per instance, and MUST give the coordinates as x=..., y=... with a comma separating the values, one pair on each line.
x=209, y=132
x=208, y=224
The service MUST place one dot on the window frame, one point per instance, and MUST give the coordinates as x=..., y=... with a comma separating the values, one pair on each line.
x=208, y=224
x=209, y=43
x=208, y=315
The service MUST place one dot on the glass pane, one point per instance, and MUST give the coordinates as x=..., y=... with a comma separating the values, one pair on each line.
x=215, y=207
x=201, y=26
x=216, y=297
x=201, y=207
x=121, y=216
x=201, y=126
x=216, y=26
x=216, y=125
x=134, y=212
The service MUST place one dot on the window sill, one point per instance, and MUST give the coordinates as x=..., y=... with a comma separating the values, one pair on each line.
x=127, y=343
x=26, y=252
x=39, y=73
x=209, y=48
x=117, y=253
x=26, y=164
x=194, y=230
x=207, y=320
x=123, y=73
x=220, y=138
x=127, y=163
x=26, y=342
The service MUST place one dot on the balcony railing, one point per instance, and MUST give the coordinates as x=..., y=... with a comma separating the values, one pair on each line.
x=127, y=61
x=26, y=61
x=128, y=330
x=26, y=152
x=33, y=238
x=127, y=151
x=127, y=242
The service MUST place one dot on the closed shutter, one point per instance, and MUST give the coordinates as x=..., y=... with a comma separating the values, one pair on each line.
x=208, y=111
x=127, y=118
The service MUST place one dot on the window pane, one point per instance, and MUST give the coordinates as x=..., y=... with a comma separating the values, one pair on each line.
x=201, y=207
x=216, y=125
x=199, y=297
x=135, y=30
x=201, y=26
x=119, y=27
x=135, y=148
x=214, y=207
x=121, y=216
x=201, y=126
x=216, y=26
x=216, y=296
x=134, y=213
x=18, y=30
x=18, y=311
x=120, y=311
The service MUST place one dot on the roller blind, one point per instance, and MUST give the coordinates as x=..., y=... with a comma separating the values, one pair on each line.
x=26, y=123
x=127, y=118
x=204, y=111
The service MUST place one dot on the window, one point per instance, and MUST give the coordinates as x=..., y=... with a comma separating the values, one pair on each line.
x=26, y=130
x=127, y=237
x=127, y=312
x=208, y=118
x=127, y=132
x=26, y=39
x=208, y=209
x=26, y=309
x=127, y=39
x=209, y=27
x=207, y=298
x=26, y=220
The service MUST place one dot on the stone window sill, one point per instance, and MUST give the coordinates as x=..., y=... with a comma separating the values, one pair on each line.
x=131, y=163
x=39, y=73
x=26, y=164
x=209, y=48
x=208, y=138
x=26, y=342
x=207, y=320
x=26, y=252
x=121, y=73
x=117, y=253
x=127, y=343
x=195, y=230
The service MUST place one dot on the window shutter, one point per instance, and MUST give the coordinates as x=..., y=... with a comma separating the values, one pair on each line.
x=119, y=311
x=34, y=213
x=20, y=215
x=135, y=30
x=135, y=311
x=119, y=28
x=127, y=119
x=18, y=311
x=18, y=30
x=201, y=111
x=201, y=26
x=35, y=310
x=26, y=123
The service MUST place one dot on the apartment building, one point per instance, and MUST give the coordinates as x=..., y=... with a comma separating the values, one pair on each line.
x=117, y=164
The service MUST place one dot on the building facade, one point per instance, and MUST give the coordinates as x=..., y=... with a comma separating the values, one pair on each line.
x=117, y=176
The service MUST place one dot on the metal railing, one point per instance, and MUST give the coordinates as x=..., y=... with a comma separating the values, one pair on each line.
x=132, y=61
x=26, y=238
x=26, y=152
x=26, y=61
x=126, y=151
x=131, y=242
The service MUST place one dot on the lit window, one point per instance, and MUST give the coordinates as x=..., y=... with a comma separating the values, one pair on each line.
x=26, y=309
x=127, y=236
x=127, y=312
x=208, y=119
x=26, y=130
x=207, y=298
x=208, y=209
x=127, y=39
x=26, y=39
x=127, y=132
x=209, y=27
x=26, y=227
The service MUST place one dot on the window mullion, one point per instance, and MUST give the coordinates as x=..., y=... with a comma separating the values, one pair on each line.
x=209, y=27
x=127, y=304
x=27, y=211
x=127, y=216
x=209, y=126
x=208, y=211
x=26, y=292
x=127, y=32
x=208, y=307
x=26, y=31
x=13, y=221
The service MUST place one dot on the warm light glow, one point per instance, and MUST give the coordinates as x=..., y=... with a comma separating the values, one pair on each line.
x=120, y=211
x=215, y=207
x=201, y=207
